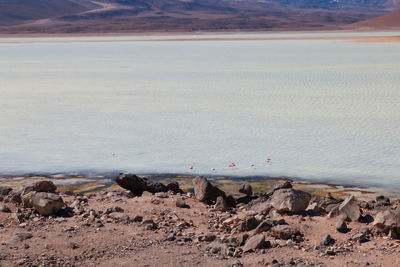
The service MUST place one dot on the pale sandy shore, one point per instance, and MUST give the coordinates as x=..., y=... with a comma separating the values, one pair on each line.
x=205, y=36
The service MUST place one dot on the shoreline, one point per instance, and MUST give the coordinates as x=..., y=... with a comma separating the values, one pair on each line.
x=362, y=39
x=90, y=182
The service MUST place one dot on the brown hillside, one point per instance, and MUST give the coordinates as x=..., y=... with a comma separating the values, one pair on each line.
x=389, y=21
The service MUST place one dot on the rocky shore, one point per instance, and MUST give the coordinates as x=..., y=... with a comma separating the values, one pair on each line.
x=143, y=222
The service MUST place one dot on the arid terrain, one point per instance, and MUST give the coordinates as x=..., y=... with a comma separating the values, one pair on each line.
x=117, y=16
x=284, y=227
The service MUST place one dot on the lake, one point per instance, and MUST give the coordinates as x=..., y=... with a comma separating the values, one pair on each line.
x=321, y=110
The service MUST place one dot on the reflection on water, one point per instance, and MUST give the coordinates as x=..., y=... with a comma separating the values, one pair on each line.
x=320, y=109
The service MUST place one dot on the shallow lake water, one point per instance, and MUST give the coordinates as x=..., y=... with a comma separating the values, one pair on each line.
x=323, y=110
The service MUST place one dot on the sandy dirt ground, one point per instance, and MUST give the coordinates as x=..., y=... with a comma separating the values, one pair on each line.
x=95, y=238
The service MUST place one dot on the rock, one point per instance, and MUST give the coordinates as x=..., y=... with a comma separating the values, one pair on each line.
x=161, y=194
x=290, y=200
x=147, y=194
x=138, y=185
x=205, y=191
x=341, y=226
x=248, y=224
x=264, y=226
x=333, y=210
x=364, y=230
x=132, y=183
x=387, y=220
x=350, y=208
x=27, y=198
x=382, y=201
x=278, y=186
x=217, y=248
x=327, y=240
x=120, y=217
x=180, y=203
x=261, y=207
x=15, y=198
x=73, y=245
x=46, y=203
x=242, y=239
x=236, y=264
x=137, y=218
x=254, y=242
x=4, y=208
x=246, y=189
x=392, y=234
x=360, y=237
x=315, y=210
x=17, y=217
x=41, y=186
x=220, y=204
x=240, y=198
x=150, y=224
x=19, y=237
x=206, y=238
x=4, y=191
x=155, y=187
x=174, y=187
x=170, y=237
x=284, y=232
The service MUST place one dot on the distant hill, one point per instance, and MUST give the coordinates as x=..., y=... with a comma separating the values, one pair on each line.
x=84, y=16
x=17, y=11
x=390, y=21
x=360, y=5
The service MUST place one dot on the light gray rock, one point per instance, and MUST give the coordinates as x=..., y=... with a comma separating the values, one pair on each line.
x=387, y=220
x=180, y=203
x=341, y=226
x=263, y=207
x=290, y=200
x=46, y=203
x=350, y=208
x=161, y=194
x=254, y=242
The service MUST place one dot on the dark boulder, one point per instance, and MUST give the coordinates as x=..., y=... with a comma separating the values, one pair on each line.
x=174, y=187
x=206, y=192
x=132, y=183
x=5, y=191
x=246, y=189
x=277, y=186
x=138, y=185
x=220, y=204
x=41, y=186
